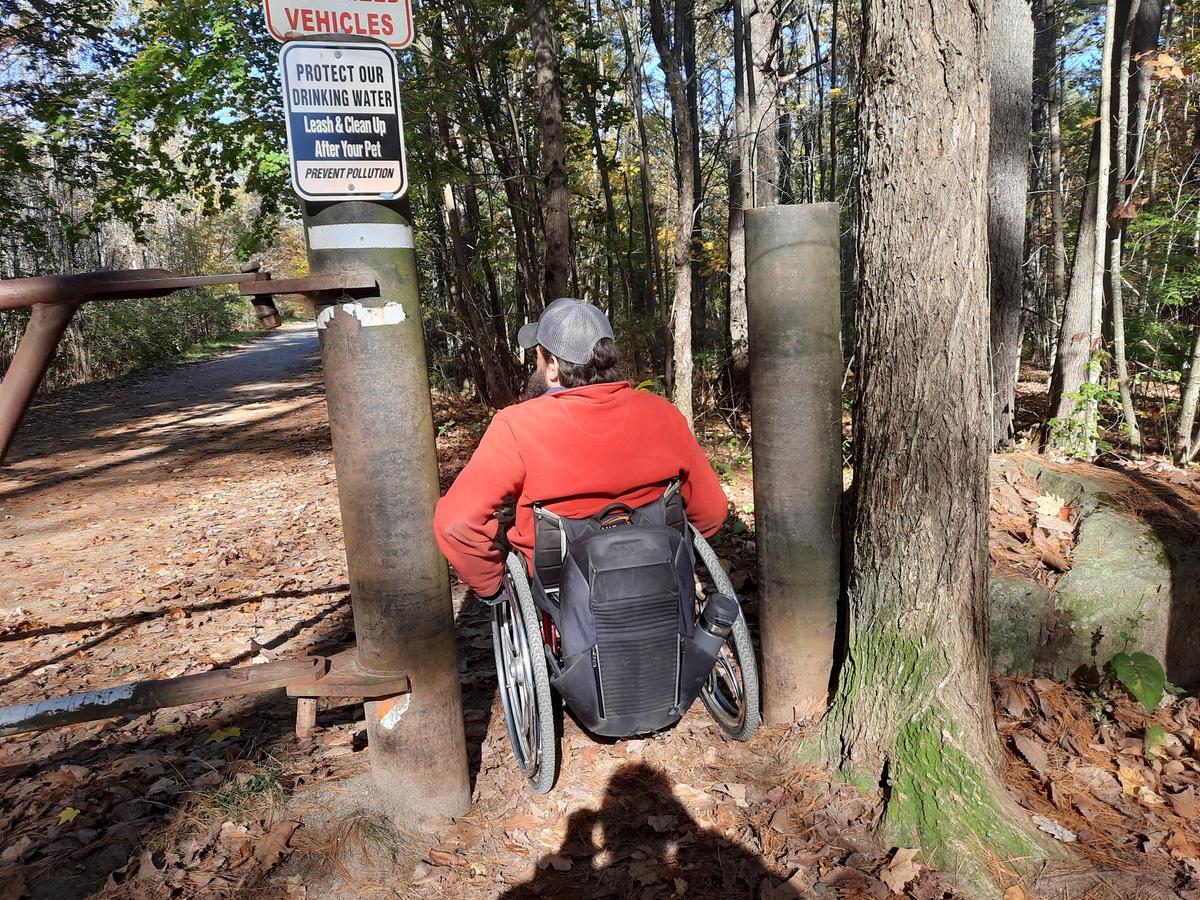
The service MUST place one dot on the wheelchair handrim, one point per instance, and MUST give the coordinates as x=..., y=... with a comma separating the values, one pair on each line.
x=515, y=674
x=724, y=691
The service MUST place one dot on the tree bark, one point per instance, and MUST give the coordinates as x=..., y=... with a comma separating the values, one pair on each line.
x=765, y=41
x=1008, y=184
x=670, y=52
x=1054, y=110
x=557, y=272
x=913, y=707
x=1116, y=233
x=1091, y=420
x=739, y=200
x=1184, y=435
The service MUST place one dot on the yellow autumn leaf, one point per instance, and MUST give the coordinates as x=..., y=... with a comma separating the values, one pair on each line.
x=221, y=733
x=67, y=815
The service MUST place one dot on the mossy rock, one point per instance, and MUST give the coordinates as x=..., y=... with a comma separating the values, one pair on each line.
x=1132, y=583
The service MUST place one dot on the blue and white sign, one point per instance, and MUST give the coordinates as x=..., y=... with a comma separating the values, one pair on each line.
x=344, y=125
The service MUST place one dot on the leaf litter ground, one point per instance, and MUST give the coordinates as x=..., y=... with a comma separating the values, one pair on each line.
x=187, y=518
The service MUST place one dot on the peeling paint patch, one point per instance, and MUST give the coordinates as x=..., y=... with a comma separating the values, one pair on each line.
x=391, y=313
x=392, y=710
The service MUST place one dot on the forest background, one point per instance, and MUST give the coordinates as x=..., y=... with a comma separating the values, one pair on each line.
x=606, y=150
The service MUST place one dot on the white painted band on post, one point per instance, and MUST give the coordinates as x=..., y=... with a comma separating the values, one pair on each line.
x=360, y=236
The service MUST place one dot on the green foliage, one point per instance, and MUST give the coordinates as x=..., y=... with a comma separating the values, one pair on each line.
x=1142, y=675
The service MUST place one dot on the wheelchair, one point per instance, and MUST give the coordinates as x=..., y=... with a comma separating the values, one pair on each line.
x=535, y=678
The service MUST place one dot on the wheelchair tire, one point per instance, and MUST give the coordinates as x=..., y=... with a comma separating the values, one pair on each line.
x=732, y=694
x=524, y=680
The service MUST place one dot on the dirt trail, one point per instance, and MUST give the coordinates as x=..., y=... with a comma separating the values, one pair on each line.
x=186, y=518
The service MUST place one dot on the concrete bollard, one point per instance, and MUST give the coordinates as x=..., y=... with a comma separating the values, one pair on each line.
x=793, y=304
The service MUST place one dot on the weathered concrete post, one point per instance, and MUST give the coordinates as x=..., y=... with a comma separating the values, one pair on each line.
x=793, y=305
x=381, y=420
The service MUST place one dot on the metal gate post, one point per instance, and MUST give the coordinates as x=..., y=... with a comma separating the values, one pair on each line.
x=381, y=420
x=793, y=307
x=47, y=324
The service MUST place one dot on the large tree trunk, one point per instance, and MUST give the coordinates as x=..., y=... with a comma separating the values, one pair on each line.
x=913, y=708
x=670, y=52
x=556, y=214
x=1008, y=182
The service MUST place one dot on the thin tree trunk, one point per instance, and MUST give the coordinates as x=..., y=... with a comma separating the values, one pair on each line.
x=765, y=41
x=1117, y=231
x=557, y=272
x=739, y=200
x=1059, y=281
x=1185, y=442
x=1091, y=422
x=670, y=53
x=913, y=709
x=831, y=189
x=1008, y=184
x=655, y=278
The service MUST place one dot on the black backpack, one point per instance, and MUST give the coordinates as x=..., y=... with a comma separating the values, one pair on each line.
x=620, y=587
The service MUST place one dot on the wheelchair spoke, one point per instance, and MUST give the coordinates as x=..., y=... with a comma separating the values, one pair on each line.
x=516, y=684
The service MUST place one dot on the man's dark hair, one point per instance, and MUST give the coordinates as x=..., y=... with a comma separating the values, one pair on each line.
x=600, y=368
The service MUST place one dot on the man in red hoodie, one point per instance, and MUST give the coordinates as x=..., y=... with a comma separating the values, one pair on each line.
x=585, y=440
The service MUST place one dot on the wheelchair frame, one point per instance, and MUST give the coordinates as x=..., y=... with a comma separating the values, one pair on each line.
x=531, y=708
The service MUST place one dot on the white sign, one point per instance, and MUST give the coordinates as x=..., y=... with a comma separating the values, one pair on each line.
x=344, y=126
x=387, y=20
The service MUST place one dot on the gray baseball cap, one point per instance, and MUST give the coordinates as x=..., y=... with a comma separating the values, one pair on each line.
x=568, y=328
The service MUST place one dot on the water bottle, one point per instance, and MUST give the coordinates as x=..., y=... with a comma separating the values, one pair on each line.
x=717, y=618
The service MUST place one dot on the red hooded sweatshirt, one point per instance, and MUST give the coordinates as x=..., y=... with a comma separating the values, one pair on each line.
x=575, y=451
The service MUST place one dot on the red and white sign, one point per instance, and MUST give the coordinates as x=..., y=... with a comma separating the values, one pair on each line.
x=389, y=21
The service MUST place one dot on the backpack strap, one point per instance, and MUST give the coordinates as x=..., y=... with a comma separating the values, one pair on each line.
x=550, y=535
x=549, y=548
x=674, y=513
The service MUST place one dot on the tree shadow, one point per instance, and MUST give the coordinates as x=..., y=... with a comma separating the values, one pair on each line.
x=148, y=614
x=1177, y=525
x=642, y=842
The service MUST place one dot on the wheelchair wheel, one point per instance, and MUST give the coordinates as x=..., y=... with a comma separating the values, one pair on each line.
x=731, y=693
x=524, y=679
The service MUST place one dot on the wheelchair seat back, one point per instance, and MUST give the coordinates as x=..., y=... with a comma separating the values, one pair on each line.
x=620, y=588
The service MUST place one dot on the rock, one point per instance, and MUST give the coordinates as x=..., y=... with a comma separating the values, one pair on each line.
x=1018, y=607
x=1134, y=580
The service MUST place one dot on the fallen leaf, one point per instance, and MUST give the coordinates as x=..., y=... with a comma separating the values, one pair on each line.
x=1183, y=846
x=274, y=845
x=1052, y=828
x=1184, y=803
x=1131, y=779
x=1033, y=753
x=1014, y=893
x=222, y=733
x=67, y=815
x=662, y=824
x=1049, y=505
x=901, y=869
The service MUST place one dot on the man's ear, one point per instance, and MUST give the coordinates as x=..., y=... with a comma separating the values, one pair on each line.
x=551, y=369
